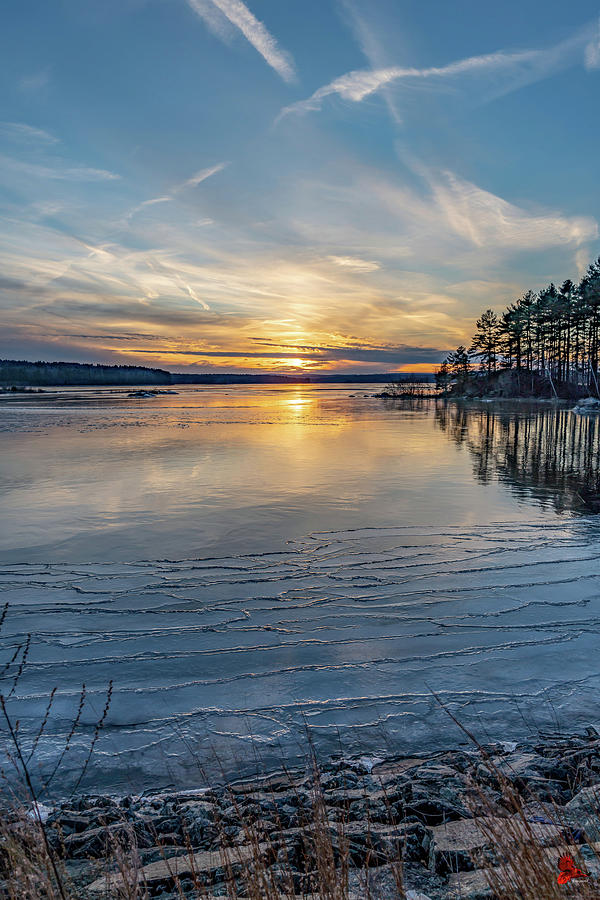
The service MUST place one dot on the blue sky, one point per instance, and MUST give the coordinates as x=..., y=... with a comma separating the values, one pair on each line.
x=288, y=184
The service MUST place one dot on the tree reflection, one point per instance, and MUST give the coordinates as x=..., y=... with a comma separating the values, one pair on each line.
x=551, y=454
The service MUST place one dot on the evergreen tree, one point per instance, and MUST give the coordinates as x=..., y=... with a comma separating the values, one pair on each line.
x=442, y=377
x=554, y=333
x=458, y=362
x=486, y=342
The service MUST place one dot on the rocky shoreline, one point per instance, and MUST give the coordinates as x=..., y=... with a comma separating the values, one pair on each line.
x=438, y=813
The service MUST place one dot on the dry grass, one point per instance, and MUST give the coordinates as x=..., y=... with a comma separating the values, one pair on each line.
x=262, y=864
x=259, y=858
x=521, y=864
x=266, y=861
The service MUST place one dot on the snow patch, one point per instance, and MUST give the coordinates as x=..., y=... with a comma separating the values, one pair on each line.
x=39, y=812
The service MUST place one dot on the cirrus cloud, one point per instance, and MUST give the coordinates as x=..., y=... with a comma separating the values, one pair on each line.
x=506, y=71
x=238, y=14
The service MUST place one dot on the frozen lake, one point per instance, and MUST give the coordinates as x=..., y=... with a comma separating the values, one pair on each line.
x=247, y=562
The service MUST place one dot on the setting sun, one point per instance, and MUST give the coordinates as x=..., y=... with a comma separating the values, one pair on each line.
x=299, y=449
x=295, y=363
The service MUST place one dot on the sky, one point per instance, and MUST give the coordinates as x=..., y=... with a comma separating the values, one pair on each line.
x=288, y=185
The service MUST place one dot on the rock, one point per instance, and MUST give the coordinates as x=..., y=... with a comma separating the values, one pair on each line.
x=475, y=885
x=276, y=783
x=462, y=845
x=365, y=763
x=377, y=881
x=546, y=778
x=421, y=881
x=69, y=821
x=469, y=886
x=583, y=811
x=438, y=814
x=342, y=778
x=434, y=804
x=387, y=771
x=591, y=860
x=39, y=812
x=304, y=896
x=94, y=843
x=198, y=811
x=168, y=825
x=373, y=844
x=165, y=870
x=454, y=844
x=587, y=406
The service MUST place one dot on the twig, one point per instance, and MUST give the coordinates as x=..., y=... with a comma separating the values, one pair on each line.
x=33, y=796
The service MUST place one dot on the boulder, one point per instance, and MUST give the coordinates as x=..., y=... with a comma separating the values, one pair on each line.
x=545, y=778
x=459, y=846
x=455, y=844
x=372, y=844
x=475, y=885
x=68, y=821
x=390, y=770
x=378, y=881
x=583, y=811
x=469, y=886
x=587, y=406
x=167, y=870
x=94, y=843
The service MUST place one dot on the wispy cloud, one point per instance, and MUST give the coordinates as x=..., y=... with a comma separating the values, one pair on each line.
x=34, y=82
x=238, y=14
x=191, y=292
x=173, y=273
x=592, y=50
x=192, y=182
x=372, y=49
x=144, y=204
x=359, y=213
x=486, y=220
x=354, y=263
x=509, y=72
x=20, y=131
x=390, y=355
x=200, y=176
x=58, y=172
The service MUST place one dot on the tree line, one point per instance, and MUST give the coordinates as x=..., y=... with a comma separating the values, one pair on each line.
x=22, y=372
x=14, y=371
x=554, y=333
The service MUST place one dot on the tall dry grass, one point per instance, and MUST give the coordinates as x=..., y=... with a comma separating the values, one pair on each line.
x=262, y=859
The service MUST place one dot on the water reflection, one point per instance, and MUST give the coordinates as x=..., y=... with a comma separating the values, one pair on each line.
x=551, y=454
x=243, y=561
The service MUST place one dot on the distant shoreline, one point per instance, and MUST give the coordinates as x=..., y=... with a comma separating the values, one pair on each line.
x=23, y=373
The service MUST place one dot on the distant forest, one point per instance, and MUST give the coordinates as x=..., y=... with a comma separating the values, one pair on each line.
x=21, y=372
x=553, y=334
x=60, y=374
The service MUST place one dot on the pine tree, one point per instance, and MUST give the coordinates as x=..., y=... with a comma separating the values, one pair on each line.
x=443, y=376
x=458, y=362
x=555, y=333
x=486, y=341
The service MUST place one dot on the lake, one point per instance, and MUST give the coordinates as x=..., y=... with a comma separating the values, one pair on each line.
x=249, y=565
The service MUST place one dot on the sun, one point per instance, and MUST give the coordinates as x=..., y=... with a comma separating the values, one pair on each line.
x=296, y=363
